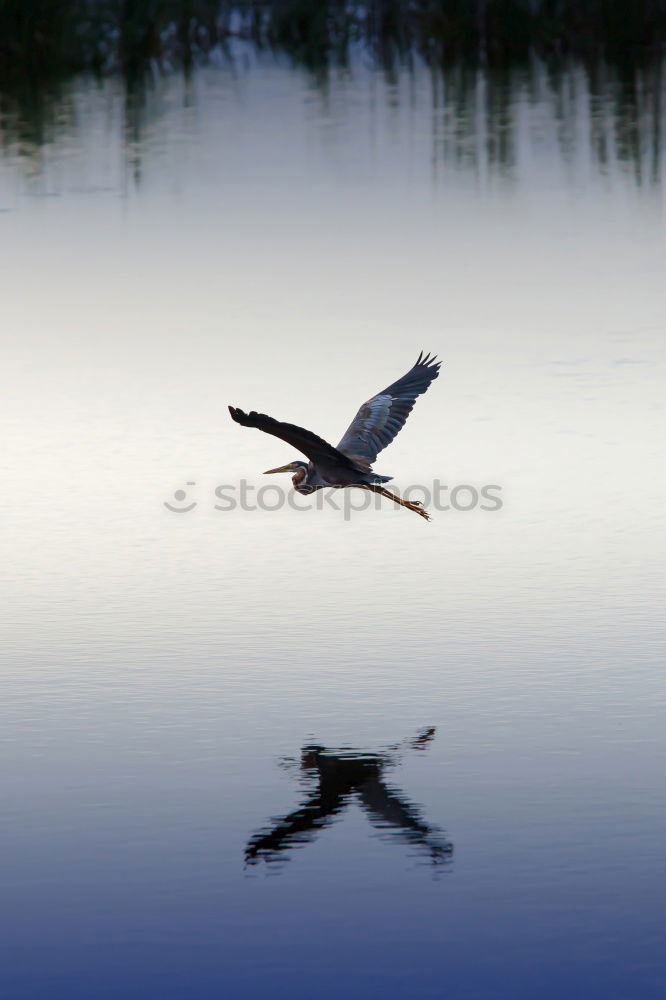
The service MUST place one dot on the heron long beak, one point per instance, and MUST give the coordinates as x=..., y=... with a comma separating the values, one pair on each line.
x=283, y=468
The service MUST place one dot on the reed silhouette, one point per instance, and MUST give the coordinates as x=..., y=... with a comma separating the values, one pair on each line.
x=481, y=53
x=338, y=778
x=45, y=37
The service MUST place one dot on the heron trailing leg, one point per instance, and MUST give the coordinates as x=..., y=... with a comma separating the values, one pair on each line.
x=414, y=505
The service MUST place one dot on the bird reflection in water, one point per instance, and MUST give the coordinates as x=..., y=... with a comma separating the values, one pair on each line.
x=340, y=777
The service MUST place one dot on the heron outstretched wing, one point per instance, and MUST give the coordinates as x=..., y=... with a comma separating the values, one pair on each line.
x=316, y=449
x=389, y=811
x=299, y=827
x=382, y=417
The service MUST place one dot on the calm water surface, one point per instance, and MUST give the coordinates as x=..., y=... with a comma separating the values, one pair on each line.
x=277, y=753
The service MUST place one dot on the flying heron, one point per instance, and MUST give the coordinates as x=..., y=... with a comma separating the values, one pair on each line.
x=372, y=429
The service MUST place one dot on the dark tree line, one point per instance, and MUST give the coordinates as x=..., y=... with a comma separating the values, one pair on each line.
x=41, y=38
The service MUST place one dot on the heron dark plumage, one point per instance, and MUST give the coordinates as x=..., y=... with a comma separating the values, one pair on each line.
x=376, y=424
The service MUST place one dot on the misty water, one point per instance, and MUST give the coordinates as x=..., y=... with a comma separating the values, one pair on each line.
x=259, y=752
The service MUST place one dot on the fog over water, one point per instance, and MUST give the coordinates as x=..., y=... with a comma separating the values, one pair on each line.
x=475, y=705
